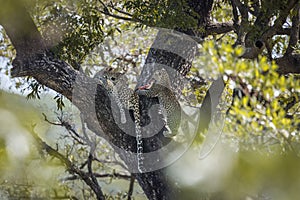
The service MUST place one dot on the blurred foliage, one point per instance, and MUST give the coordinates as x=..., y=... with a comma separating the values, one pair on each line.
x=71, y=28
x=28, y=172
x=229, y=174
x=267, y=113
x=261, y=127
x=23, y=173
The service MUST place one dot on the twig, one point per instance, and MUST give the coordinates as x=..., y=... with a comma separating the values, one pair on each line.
x=118, y=10
x=67, y=126
x=69, y=165
x=106, y=11
x=90, y=162
x=118, y=16
x=113, y=175
x=131, y=186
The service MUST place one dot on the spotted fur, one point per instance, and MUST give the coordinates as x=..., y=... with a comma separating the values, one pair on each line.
x=117, y=85
x=160, y=87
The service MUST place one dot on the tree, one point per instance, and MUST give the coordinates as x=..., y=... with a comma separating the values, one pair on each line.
x=263, y=28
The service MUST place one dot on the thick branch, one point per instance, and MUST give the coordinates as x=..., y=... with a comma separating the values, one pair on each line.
x=283, y=31
x=279, y=21
x=289, y=63
x=294, y=35
x=210, y=103
x=219, y=28
x=20, y=27
x=241, y=29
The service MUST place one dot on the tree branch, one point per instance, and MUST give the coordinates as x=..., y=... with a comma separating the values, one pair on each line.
x=279, y=21
x=294, y=35
x=283, y=31
x=68, y=127
x=69, y=165
x=118, y=10
x=289, y=63
x=106, y=11
x=219, y=28
x=18, y=24
x=131, y=186
x=241, y=29
x=97, y=175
